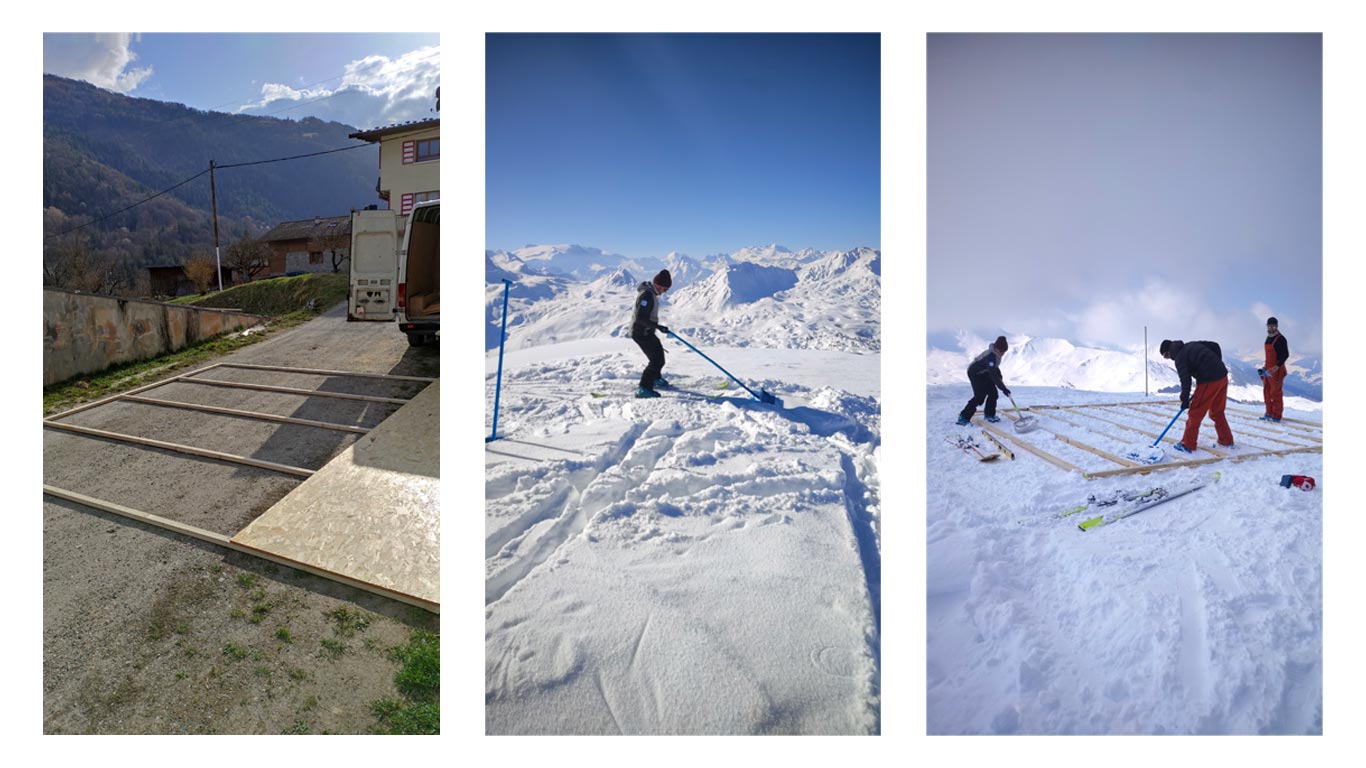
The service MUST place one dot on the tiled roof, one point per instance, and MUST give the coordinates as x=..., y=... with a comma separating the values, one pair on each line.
x=374, y=134
x=307, y=228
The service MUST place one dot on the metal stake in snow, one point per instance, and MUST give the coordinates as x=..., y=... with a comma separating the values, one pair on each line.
x=763, y=395
x=498, y=385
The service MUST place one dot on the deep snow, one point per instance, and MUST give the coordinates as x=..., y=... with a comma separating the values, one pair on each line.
x=701, y=563
x=1200, y=615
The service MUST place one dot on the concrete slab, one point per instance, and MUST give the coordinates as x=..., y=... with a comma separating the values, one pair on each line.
x=372, y=514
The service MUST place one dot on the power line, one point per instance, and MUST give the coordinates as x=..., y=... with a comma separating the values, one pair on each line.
x=134, y=205
x=201, y=173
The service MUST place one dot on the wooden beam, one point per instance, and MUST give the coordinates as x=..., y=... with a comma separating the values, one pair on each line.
x=1048, y=457
x=227, y=543
x=178, y=448
x=318, y=372
x=1099, y=405
x=1103, y=454
x=1289, y=430
x=296, y=391
x=1170, y=440
x=246, y=414
x=142, y=388
x=1146, y=468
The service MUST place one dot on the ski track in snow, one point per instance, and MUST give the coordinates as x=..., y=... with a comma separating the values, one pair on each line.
x=1201, y=615
x=698, y=563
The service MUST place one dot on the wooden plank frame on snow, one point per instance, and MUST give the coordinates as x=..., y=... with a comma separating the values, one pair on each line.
x=1123, y=462
x=227, y=543
x=210, y=536
x=1141, y=469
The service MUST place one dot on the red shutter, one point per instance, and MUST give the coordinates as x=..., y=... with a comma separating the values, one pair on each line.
x=409, y=152
x=406, y=206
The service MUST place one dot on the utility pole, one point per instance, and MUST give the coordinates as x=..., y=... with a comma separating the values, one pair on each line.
x=1145, y=361
x=213, y=197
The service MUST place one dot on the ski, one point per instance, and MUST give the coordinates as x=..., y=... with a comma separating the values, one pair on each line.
x=1004, y=451
x=969, y=446
x=1147, y=500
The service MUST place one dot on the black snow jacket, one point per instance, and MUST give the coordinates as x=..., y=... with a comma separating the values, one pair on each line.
x=1202, y=360
x=987, y=365
x=646, y=317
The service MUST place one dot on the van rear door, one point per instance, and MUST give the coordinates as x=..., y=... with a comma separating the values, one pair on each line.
x=374, y=265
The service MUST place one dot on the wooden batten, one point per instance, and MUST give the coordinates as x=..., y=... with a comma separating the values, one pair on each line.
x=1103, y=454
x=245, y=414
x=1045, y=455
x=227, y=543
x=318, y=372
x=297, y=391
x=178, y=448
x=133, y=391
x=1146, y=468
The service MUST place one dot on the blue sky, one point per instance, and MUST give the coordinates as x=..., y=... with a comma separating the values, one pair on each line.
x=1083, y=186
x=363, y=80
x=645, y=144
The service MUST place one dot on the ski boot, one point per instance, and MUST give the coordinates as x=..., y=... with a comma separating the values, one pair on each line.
x=662, y=382
x=1181, y=448
x=993, y=419
x=963, y=421
x=642, y=392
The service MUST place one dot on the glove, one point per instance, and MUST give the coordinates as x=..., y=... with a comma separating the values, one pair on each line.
x=663, y=328
x=1185, y=405
x=1262, y=372
x=1006, y=391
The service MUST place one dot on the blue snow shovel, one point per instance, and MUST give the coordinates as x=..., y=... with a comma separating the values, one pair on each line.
x=1152, y=454
x=763, y=395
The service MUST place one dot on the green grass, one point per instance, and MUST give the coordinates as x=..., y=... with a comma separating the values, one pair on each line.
x=417, y=709
x=284, y=299
x=347, y=623
x=332, y=649
x=276, y=296
x=234, y=652
x=283, y=635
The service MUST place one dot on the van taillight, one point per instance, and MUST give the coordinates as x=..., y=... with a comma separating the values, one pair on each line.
x=402, y=295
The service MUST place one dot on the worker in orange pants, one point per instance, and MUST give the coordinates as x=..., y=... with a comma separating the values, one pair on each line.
x=1204, y=362
x=1273, y=375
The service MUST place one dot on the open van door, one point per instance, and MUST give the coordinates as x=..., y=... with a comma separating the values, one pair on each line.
x=374, y=266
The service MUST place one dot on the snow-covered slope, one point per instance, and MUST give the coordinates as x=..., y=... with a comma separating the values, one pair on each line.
x=1059, y=363
x=761, y=297
x=1200, y=615
x=649, y=562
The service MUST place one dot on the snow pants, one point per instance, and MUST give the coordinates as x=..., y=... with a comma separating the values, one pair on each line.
x=654, y=352
x=1271, y=392
x=1210, y=397
x=983, y=391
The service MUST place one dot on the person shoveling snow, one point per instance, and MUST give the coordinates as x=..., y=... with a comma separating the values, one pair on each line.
x=643, y=326
x=985, y=374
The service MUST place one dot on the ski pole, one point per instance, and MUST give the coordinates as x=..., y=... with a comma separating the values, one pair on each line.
x=1169, y=426
x=498, y=386
x=768, y=399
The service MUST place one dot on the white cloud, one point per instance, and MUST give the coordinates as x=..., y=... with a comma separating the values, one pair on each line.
x=374, y=91
x=101, y=59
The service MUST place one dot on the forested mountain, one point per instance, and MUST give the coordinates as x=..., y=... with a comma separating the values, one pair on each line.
x=103, y=151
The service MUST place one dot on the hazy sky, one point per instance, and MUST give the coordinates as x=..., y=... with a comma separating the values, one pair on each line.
x=362, y=80
x=1083, y=186
x=644, y=144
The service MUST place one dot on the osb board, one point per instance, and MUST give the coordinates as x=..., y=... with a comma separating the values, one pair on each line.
x=373, y=513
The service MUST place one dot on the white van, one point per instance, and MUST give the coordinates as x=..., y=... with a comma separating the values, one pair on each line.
x=395, y=279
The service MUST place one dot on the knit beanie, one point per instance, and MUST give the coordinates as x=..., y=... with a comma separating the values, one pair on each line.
x=1165, y=348
x=663, y=279
x=1001, y=345
x=1272, y=322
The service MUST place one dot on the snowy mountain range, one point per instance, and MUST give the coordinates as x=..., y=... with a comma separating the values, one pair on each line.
x=1060, y=363
x=765, y=296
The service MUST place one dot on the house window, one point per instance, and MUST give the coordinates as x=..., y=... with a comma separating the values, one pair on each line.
x=315, y=257
x=428, y=149
x=413, y=198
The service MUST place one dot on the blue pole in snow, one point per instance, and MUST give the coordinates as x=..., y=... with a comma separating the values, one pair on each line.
x=498, y=386
x=765, y=398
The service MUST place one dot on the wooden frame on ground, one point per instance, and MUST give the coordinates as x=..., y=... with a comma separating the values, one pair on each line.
x=134, y=395
x=1299, y=436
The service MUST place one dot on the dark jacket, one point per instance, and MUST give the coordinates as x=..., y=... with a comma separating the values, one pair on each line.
x=987, y=365
x=646, y=317
x=1282, y=348
x=1202, y=360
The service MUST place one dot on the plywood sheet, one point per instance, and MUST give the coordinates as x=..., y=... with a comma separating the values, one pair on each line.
x=373, y=513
